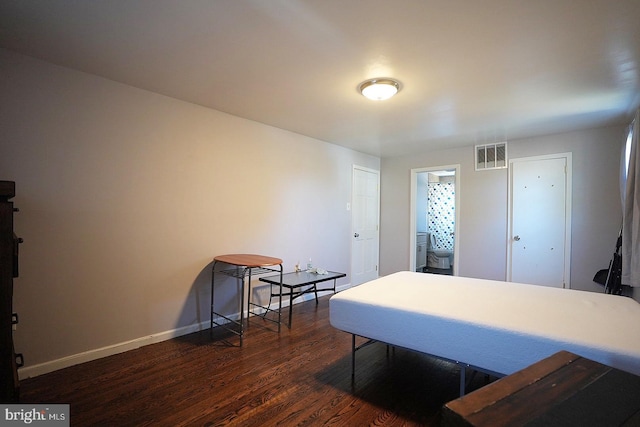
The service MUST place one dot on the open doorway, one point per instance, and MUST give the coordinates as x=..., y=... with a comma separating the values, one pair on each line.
x=435, y=197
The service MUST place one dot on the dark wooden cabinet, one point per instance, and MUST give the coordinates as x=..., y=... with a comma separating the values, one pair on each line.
x=9, y=245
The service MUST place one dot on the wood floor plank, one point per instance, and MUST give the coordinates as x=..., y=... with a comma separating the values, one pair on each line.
x=301, y=376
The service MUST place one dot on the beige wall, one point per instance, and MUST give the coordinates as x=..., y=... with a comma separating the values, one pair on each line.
x=126, y=195
x=596, y=212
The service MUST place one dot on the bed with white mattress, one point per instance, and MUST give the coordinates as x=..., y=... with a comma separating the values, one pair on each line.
x=493, y=326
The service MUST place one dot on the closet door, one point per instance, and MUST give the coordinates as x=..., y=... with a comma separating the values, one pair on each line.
x=540, y=213
x=365, y=216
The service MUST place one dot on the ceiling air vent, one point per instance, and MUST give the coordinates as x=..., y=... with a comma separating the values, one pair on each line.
x=491, y=156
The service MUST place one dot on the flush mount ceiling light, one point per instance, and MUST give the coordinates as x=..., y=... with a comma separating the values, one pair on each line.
x=379, y=89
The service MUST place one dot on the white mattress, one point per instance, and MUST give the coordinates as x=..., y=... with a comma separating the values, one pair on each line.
x=498, y=326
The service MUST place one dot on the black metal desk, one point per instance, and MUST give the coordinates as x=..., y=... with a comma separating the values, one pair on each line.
x=296, y=281
x=243, y=267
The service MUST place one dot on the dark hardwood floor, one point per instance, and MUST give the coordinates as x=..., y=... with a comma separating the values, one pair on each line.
x=301, y=376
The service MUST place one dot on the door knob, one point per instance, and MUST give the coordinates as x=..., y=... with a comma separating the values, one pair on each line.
x=356, y=235
x=516, y=238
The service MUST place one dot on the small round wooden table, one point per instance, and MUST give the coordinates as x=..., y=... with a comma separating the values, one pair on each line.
x=243, y=266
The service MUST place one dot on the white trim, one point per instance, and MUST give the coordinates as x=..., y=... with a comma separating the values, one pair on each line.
x=568, y=198
x=98, y=353
x=412, y=214
x=87, y=356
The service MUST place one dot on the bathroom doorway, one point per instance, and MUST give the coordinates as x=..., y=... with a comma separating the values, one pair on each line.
x=435, y=197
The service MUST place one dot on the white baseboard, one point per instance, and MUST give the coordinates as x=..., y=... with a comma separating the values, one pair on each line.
x=98, y=353
x=87, y=356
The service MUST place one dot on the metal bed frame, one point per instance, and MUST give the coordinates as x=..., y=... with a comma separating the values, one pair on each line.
x=464, y=382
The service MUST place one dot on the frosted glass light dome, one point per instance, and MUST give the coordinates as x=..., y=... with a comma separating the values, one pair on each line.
x=379, y=89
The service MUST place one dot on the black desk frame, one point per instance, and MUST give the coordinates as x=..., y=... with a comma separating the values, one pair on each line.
x=244, y=274
x=295, y=281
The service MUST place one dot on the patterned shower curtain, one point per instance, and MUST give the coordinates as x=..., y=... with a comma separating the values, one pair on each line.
x=441, y=213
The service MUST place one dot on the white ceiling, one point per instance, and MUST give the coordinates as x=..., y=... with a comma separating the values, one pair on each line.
x=472, y=71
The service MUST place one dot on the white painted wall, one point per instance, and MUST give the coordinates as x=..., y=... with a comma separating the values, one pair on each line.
x=125, y=196
x=422, y=189
x=596, y=215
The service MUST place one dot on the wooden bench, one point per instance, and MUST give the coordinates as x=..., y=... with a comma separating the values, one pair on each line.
x=563, y=389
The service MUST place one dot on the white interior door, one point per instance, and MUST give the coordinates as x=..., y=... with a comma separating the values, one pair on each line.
x=364, y=219
x=540, y=212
